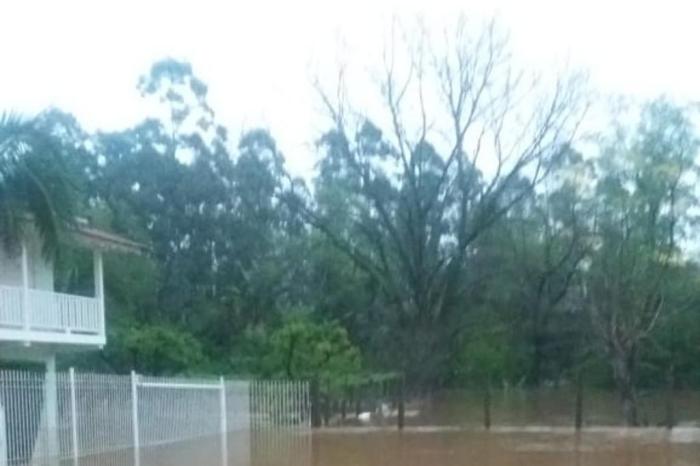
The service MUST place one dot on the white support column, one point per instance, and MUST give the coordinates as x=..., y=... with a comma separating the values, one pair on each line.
x=224, y=422
x=25, y=289
x=51, y=404
x=73, y=417
x=135, y=417
x=99, y=287
x=3, y=438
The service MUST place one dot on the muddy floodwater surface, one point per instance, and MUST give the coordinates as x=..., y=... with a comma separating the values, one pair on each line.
x=465, y=447
x=527, y=431
x=426, y=447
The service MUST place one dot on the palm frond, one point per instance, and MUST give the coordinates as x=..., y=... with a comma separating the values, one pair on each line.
x=34, y=185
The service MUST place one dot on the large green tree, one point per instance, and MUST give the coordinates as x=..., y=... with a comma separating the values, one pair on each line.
x=643, y=200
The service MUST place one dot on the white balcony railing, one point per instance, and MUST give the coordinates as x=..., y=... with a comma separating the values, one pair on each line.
x=49, y=312
x=11, y=307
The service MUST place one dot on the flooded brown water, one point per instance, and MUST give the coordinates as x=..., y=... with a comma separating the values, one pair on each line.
x=530, y=429
x=500, y=447
x=467, y=448
x=429, y=447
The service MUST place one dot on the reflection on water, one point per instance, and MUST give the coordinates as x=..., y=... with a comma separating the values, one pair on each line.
x=433, y=447
x=283, y=448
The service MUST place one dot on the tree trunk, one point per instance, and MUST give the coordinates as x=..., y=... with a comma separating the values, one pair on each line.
x=400, y=418
x=624, y=371
x=487, y=405
x=536, y=370
x=629, y=407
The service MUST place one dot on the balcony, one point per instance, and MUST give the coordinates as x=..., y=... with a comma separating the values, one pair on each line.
x=37, y=322
x=40, y=316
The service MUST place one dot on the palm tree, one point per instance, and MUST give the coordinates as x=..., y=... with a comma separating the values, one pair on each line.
x=34, y=185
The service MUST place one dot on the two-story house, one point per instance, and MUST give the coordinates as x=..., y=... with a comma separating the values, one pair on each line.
x=37, y=323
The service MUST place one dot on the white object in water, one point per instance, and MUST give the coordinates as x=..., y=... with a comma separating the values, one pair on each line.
x=385, y=410
x=682, y=434
x=364, y=417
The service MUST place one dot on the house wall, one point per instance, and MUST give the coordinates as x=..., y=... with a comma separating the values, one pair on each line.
x=10, y=268
x=40, y=270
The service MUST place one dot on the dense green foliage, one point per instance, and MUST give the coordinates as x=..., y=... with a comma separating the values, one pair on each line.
x=401, y=256
x=33, y=182
x=303, y=349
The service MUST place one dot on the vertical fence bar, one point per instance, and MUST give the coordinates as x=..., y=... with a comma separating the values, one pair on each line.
x=315, y=404
x=251, y=405
x=224, y=421
x=135, y=417
x=51, y=409
x=73, y=417
x=300, y=404
x=299, y=408
x=285, y=404
x=269, y=404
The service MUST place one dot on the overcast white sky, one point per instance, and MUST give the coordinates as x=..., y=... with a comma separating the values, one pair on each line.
x=259, y=57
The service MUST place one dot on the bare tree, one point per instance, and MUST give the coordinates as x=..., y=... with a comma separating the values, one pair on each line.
x=466, y=137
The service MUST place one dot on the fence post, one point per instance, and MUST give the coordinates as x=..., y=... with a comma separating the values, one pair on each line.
x=578, y=421
x=670, y=382
x=135, y=417
x=73, y=416
x=252, y=405
x=487, y=405
x=224, y=426
x=315, y=404
x=400, y=418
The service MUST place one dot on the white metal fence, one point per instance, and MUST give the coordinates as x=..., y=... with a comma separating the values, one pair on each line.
x=278, y=409
x=123, y=420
